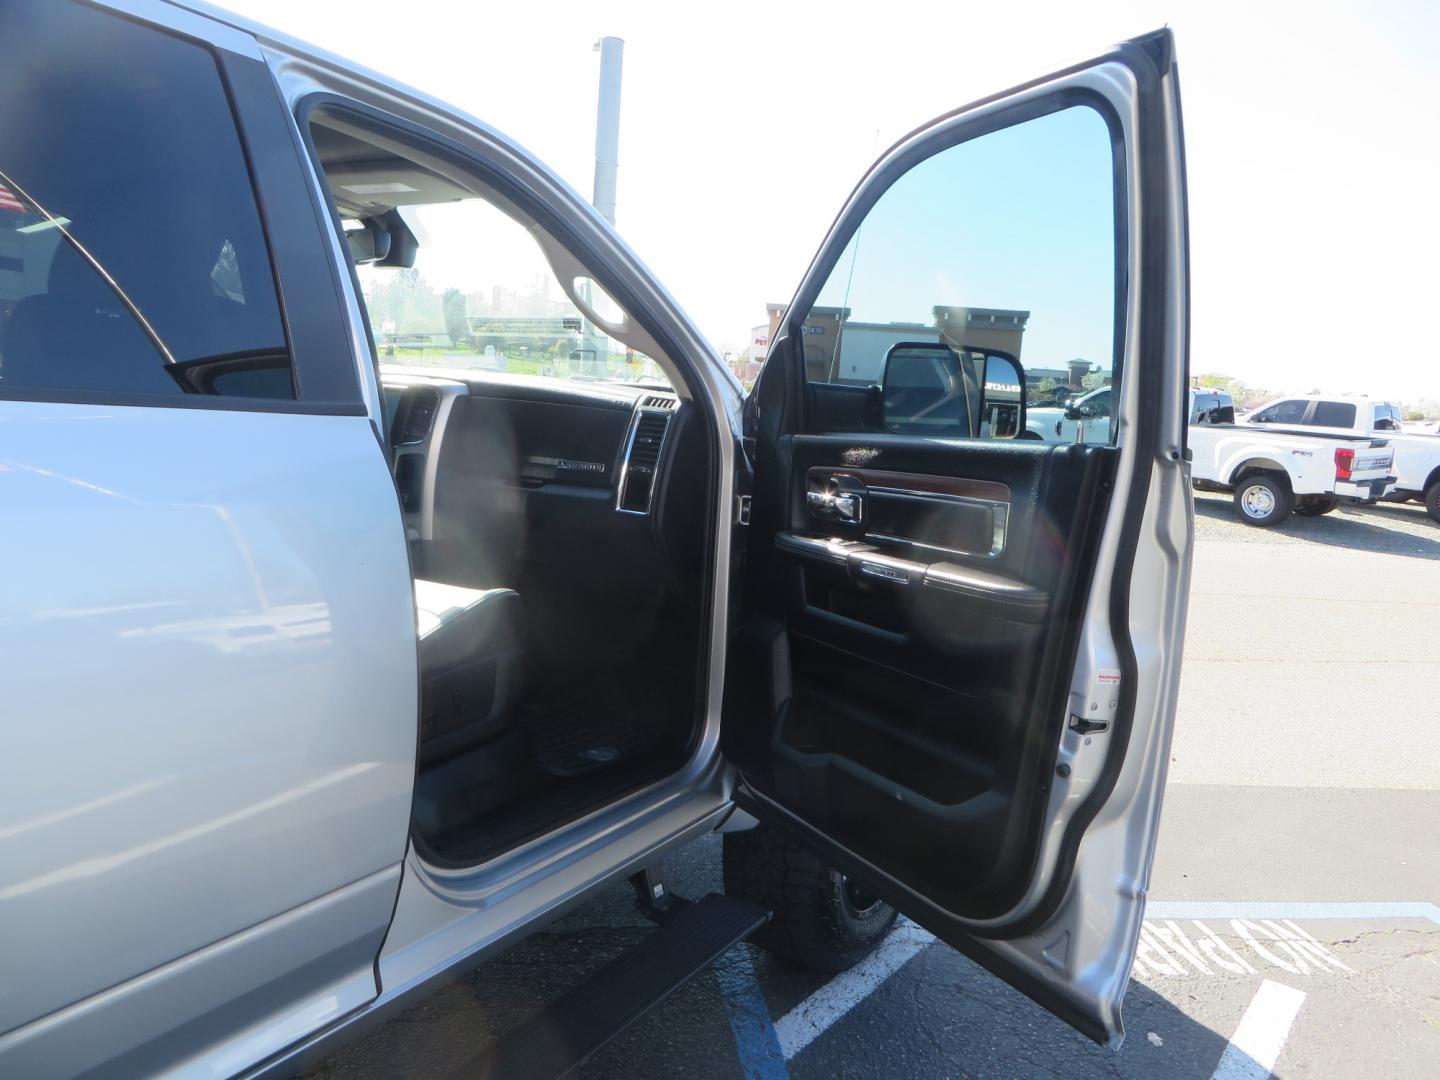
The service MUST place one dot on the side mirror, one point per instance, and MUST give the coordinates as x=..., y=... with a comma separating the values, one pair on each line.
x=932, y=388
x=1002, y=404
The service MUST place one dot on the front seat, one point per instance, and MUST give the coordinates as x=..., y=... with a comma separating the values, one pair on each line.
x=471, y=651
x=472, y=757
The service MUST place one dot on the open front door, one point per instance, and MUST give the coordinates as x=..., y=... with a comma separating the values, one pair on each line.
x=956, y=665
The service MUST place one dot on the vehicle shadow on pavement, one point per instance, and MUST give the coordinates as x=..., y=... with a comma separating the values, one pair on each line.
x=939, y=1015
x=1359, y=530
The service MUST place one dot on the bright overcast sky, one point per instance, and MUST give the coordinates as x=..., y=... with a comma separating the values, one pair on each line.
x=1313, y=138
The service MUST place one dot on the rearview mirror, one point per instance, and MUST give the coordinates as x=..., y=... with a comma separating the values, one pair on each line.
x=933, y=388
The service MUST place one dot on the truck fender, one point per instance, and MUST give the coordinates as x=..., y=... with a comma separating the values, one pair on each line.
x=1254, y=465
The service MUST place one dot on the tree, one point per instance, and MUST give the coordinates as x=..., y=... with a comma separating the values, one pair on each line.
x=452, y=305
x=1245, y=397
x=1216, y=382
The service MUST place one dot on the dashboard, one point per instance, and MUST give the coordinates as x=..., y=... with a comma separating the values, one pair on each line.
x=496, y=470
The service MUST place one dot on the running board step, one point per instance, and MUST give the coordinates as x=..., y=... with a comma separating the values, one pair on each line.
x=582, y=1020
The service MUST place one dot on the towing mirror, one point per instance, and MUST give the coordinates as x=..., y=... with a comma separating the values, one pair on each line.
x=933, y=388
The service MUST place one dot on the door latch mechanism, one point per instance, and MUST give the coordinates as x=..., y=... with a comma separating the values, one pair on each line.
x=1095, y=711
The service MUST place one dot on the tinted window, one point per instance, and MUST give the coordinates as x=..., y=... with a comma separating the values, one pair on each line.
x=1333, y=414
x=1387, y=417
x=1005, y=243
x=1282, y=412
x=131, y=253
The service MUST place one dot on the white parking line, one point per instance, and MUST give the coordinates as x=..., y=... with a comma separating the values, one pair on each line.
x=1281, y=909
x=1257, y=1042
x=801, y=1026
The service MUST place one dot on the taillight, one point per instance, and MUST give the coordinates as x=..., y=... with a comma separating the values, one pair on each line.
x=1344, y=463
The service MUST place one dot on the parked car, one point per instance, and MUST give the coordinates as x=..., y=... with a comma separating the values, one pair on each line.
x=1421, y=427
x=1417, y=455
x=1273, y=471
x=327, y=678
x=1086, y=419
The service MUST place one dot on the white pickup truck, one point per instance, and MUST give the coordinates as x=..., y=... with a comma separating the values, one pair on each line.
x=1417, y=456
x=1273, y=470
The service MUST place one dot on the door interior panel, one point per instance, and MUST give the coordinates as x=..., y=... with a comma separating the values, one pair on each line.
x=911, y=600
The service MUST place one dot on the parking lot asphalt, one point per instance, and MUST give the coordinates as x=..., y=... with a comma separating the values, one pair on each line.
x=1294, y=923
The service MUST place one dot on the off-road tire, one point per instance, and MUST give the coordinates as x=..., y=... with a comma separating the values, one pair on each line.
x=1263, y=489
x=1432, y=501
x=1316, y=505
x=821, y=921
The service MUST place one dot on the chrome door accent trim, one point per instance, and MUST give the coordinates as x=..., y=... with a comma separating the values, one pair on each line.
x=629, y=445
x=999, y=515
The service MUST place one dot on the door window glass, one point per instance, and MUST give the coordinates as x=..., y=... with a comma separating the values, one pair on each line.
x=1387, y=417
x=1282, y=412
x=1096, y=406
x=1005, y=244
x=1339, y=414
x=131, y=253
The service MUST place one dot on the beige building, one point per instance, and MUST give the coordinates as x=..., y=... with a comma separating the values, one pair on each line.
x=838, y=349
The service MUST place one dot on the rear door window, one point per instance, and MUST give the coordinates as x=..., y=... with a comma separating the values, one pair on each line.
x=1337, y=414
x=132, y=258
x=1387, y=418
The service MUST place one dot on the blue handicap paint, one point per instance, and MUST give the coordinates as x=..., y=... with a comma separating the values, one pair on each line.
x=755, y=1040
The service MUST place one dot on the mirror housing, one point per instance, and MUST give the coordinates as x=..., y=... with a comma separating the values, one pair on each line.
x=1002, y=400
x=934, y=388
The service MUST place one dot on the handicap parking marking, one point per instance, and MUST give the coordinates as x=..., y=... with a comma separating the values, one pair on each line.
x=1169, y=948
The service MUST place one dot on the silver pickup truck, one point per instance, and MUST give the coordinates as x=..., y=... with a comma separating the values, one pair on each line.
x=389, y=565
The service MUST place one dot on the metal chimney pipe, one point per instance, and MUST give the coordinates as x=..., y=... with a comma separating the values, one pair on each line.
x=607, y=125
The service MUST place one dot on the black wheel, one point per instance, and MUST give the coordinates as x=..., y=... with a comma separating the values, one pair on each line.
x=1432, y=501
x=1263, y=500
x=823, y=921
x=1316, y=505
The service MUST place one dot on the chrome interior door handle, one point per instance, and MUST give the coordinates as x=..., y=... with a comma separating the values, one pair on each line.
x=843, y=506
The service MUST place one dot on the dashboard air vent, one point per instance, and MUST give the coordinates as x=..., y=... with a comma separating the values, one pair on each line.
x=642, y=460
x=656, y=401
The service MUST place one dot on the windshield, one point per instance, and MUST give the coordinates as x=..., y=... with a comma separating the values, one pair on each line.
x=482, y=297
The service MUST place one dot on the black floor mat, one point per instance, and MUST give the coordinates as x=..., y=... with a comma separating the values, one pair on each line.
x=587, y=732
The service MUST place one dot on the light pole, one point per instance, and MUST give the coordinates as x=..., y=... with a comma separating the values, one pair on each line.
x=607, y=125
x=607, y=163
